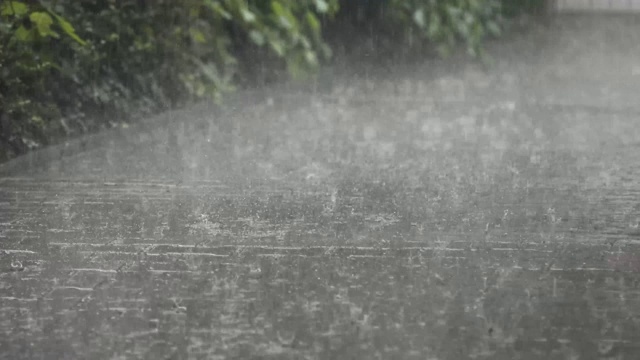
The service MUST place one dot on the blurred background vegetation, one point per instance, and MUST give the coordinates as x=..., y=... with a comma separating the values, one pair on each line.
x=70, y=67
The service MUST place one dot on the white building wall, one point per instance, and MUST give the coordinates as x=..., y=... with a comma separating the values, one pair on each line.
x=597, y=5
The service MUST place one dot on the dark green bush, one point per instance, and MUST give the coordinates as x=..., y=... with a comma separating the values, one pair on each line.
x=395, y=28
x=445, y=23
x=69, y=67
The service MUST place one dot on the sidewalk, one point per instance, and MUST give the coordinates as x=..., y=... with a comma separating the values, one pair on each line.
x=439, y=211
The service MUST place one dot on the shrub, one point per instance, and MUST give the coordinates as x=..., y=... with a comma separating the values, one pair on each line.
x=445, y=23
x=73, y=66
x=395, y=27
x=69, y=67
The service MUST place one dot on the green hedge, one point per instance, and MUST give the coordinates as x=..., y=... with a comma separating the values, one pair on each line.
x=69, y=67
x=445, y=23
x=74, y=66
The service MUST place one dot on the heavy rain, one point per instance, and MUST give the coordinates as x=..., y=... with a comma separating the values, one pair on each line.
x=320, y=179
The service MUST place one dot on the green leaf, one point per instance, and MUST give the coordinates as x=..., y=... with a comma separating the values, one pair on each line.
x=304, y=42
x=469, y=18
x=69, y=30
x=453, y=11
x=210, y=71
x=43, y=23
x=218, y=9
x=277, y=8
x=15, y=8
x=313, y=22
x=23, y=34
x=285, y=17
x=197, y=36
x=256, y=37
x=418, y=18
x=311, y=58
x=247, y=15
x=278, y=46
x=322, y=6
x=463, y=29
x=221, y=46
x=296, y=68
x=494, y=28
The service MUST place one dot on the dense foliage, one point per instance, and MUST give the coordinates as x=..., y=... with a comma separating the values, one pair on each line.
x=71, y=67
x=444, y=23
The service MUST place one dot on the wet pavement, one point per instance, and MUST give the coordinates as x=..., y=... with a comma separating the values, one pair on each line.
x=433, y=211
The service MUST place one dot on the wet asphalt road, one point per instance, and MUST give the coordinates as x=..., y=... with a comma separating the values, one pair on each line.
x=435, y=211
